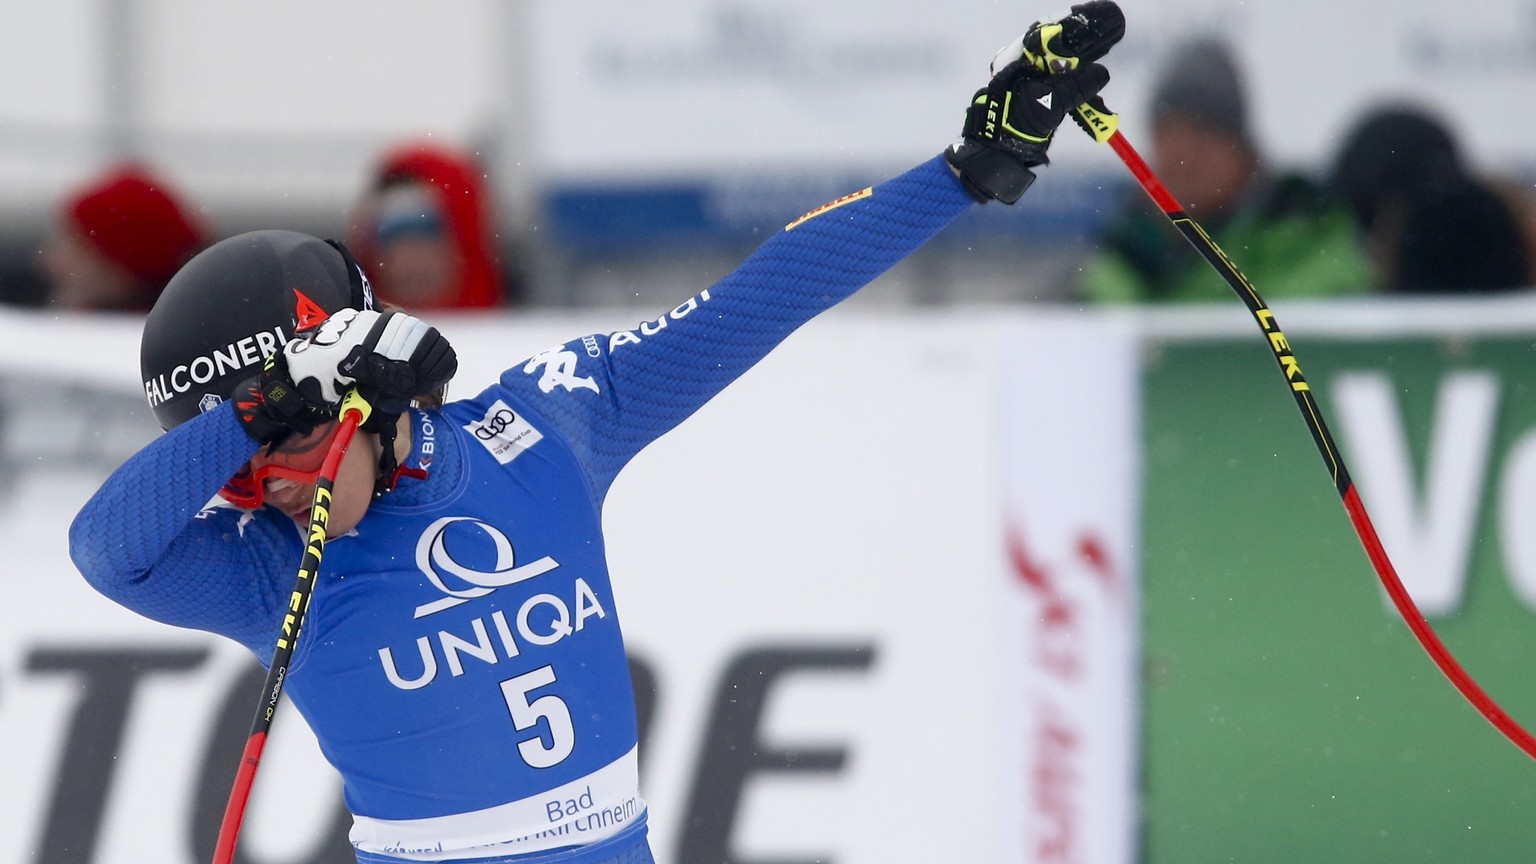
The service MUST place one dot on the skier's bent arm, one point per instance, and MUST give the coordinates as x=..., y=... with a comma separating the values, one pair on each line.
x=149, y=540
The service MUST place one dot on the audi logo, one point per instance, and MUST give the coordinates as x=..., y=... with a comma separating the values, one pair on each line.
x=495, y=424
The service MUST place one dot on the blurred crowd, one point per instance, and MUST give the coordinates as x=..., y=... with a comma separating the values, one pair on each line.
x=424, y=227
x=1398, y=210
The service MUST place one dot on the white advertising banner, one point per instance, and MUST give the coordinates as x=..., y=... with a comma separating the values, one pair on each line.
x=837, y=655
x=1069, y=458
x=703, y=86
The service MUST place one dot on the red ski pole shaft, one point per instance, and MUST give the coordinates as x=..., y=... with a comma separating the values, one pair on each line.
x=1103, y=126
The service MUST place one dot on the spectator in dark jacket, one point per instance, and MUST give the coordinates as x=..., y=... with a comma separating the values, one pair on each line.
x=1429, y=224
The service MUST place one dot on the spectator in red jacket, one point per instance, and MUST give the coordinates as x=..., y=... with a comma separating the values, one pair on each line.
x=425, y=232
x=117, y=241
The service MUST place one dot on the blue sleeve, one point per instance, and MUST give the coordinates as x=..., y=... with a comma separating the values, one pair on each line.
x=149, y=539
x=611, y=395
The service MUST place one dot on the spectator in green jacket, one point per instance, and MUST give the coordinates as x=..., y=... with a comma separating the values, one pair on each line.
x=1286, y=233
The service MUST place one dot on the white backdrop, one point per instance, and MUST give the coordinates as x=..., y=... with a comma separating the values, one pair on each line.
x=294, y=108
x=691, y=84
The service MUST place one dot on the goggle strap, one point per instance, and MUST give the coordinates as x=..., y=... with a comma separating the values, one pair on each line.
x=389, y=466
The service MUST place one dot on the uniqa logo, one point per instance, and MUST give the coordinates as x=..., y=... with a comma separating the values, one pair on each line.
x=462, y=583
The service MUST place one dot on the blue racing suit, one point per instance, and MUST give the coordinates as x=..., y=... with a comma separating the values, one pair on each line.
x=461, y=663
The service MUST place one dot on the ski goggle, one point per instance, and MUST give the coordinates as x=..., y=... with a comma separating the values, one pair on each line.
x=298, y=459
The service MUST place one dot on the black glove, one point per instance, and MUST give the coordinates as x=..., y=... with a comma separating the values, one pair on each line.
x=1082, y=37
x=1036, y=82
x=271, y=408
x=1010, y=126
x=391, y=357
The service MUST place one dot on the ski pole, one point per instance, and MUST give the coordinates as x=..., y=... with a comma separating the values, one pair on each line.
x=1103, y=126
x=354, y=411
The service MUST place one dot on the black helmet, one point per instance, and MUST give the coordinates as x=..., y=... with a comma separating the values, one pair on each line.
x=233, y=305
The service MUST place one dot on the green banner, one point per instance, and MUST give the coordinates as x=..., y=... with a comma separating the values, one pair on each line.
x=1290, y=714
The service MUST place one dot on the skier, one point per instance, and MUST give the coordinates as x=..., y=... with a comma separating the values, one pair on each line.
x=461, y=664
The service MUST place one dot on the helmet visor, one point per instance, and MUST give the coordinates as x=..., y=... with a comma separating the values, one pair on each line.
x=298, y=459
